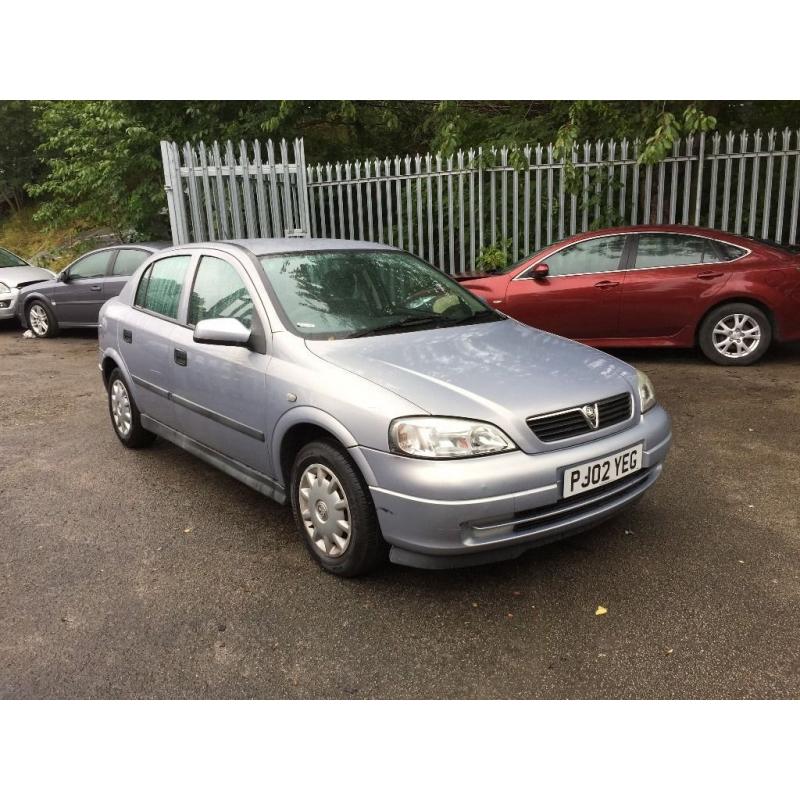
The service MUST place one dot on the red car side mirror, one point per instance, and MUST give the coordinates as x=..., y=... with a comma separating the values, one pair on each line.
x=541, y=271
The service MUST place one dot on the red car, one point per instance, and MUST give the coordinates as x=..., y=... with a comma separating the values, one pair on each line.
x=656, y=286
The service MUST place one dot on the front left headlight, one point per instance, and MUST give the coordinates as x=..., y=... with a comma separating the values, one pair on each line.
x=647, y=394
x=446, y=437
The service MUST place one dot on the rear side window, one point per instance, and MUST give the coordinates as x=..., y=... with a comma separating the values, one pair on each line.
x=128, y=261
x=673, y=250
x=159, y=289
x=728, y=252
x=92, y=266
x=219, y=291
x=593, y=255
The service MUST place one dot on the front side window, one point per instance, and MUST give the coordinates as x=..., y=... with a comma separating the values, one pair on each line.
x=602, y=254
x=159, y=289
x=8, y=259
x=92, y=266
x=128, y=261
x=219, y=291
x=673, y=250
x=338, y=294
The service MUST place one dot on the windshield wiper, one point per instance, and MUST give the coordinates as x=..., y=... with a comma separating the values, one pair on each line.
x=399, y=324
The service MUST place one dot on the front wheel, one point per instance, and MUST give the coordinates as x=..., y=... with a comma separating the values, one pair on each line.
x=736, y=334
x=334, y=512
x=41, y=321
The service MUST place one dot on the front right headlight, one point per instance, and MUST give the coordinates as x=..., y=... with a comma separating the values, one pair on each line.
x=647, y=394
x=446, y=437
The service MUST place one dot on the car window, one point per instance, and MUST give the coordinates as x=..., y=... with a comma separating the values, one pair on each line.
x=219, y=291
x=159, y=289
x=8, y=259
x=601, y=254
x=128, y=261
x=91, y=266
x=729, y=252
x=673, y=250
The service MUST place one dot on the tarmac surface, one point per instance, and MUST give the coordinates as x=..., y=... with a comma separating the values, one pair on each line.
x=148, y=574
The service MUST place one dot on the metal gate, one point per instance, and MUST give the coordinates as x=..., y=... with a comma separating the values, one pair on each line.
x=215, y=193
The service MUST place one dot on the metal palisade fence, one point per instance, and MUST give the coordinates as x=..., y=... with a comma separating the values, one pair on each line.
x=228, y=192
x=448, y=209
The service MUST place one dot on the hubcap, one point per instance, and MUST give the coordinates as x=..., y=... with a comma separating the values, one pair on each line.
x=37, y=317
x=736, y=335
x=121, y=407
x=324, y=510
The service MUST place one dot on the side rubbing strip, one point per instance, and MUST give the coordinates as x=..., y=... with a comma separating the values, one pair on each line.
x=198, y=409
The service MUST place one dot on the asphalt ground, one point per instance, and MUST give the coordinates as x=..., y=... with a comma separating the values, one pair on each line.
x=150, y=575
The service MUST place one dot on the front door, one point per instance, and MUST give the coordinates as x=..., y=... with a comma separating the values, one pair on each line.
x=581, y=296
x=672, y=274
x=78, y=298
x=220, y=391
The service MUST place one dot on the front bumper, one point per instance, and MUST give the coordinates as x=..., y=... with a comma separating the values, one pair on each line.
x=440, y=514
x=8, y=304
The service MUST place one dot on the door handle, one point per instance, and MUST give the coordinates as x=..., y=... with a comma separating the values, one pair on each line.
x=606, y=284
x=180, y=357
x=707, y=276
x=95, y=288
x=127, y=336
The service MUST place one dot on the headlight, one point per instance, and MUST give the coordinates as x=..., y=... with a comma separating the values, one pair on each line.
x=4, y=289
x=446, y=437
x=647, y=394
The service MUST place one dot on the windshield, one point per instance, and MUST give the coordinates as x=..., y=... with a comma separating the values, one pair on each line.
x=341, y=294
x=8, y=259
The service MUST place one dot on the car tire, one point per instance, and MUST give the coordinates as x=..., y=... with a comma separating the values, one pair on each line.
x=41, y=320
x=736, y=334
x=334, y=512
x=124, y=414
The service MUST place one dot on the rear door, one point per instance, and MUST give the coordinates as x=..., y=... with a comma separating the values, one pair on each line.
x=671, y=278
x=124, y=263
x=78, y=299
x=581, y=296
x=220, y=391
x=147, y=335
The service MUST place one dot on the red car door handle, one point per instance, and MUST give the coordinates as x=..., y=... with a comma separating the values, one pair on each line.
x=706, y=276
x=606, y=284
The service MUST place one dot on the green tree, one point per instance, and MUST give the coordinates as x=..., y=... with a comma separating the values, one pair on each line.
x=19, y=138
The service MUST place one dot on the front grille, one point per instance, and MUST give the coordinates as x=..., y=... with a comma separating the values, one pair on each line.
x=573, y=422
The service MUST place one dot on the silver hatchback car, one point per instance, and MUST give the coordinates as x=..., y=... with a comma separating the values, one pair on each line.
x=397, y=413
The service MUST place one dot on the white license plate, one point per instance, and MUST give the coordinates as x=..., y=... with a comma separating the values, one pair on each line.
x=585, y=477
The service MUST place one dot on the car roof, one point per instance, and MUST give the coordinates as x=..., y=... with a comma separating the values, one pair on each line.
x=294, y=244
x=687, y=230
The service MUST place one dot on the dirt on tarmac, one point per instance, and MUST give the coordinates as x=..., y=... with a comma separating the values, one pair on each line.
x=129, y=574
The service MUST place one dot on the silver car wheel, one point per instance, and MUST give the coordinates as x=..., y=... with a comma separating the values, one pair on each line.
x=324, y=510
x=736, y=335
x=121, y=407
x=37, y=318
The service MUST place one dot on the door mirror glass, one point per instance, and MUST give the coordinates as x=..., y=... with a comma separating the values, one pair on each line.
x=63, y=276
x=541, y=271
x=221, y=330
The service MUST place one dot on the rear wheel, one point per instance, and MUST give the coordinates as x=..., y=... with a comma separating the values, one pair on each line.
x=124, y=413
x=41, y=321
x=334, y=512
x=736, y=334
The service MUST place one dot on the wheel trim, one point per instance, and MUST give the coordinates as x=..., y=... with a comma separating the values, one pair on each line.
x=121, y=408
x=37, y=317
x=736, y=336
x=325, y=510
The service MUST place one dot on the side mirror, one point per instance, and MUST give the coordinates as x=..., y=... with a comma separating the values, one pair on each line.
x=226, y=331
x=541, y=271
x=63, y=276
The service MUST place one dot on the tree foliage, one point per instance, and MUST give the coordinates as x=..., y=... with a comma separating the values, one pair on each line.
x=98, y=162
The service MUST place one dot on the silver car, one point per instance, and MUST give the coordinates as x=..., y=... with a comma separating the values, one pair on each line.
x=72, y=299
x=395, y=411
x=15, y=275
